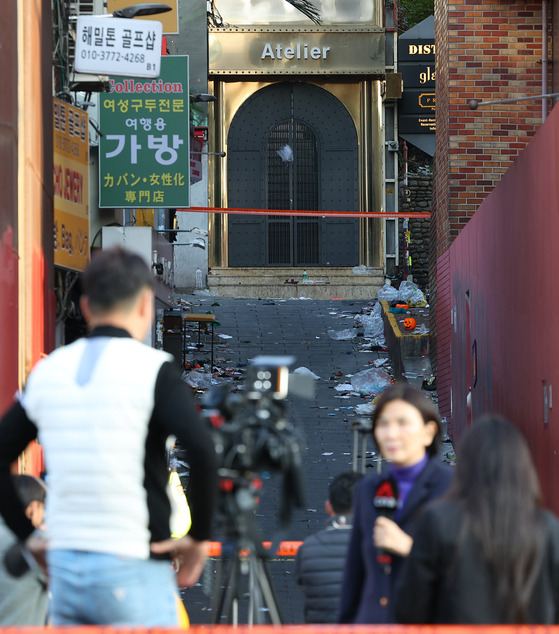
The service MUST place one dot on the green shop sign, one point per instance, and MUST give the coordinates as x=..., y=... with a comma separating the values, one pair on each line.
x=144, y=153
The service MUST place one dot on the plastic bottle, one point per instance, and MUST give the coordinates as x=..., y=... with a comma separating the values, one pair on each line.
x=199, y=282
x=304, y=276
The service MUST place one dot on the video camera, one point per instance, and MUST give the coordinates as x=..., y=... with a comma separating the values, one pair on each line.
x=253, y=434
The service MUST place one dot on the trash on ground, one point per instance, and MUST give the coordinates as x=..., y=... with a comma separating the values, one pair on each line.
x=361, y=270
x=340, y=335
x=305, y=372
x=204, y=292
x=372, y=323
x=380, y=362
x=371, y=381
x=200, y=380
x=430, y=384
x=411, y=294
x=387, y=293
x=364, y=409
x=344, y=387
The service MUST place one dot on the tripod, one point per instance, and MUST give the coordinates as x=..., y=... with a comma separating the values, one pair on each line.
x=244, y=564
x=232, y=567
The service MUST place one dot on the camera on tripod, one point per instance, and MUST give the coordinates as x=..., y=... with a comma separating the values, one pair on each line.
x=253, y=434
x=252, y=431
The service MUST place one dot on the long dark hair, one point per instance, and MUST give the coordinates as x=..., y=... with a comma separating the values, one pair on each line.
x=497, y=485
x=412, y=396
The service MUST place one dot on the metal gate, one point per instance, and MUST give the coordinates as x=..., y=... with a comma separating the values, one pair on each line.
x=292, y=146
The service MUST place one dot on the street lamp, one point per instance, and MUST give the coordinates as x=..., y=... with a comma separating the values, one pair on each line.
x=136, y=10
x=202, y=98
x=474, y=104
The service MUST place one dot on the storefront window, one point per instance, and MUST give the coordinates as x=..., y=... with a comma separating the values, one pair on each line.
x=332, y=12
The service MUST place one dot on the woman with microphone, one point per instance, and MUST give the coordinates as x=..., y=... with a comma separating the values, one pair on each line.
x=488, y=553
x=407, y=430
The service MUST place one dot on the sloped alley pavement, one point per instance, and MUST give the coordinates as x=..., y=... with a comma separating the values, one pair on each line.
x=252, y=327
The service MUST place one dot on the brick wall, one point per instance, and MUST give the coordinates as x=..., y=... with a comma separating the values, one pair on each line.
x=488, y=50
x=554, y=56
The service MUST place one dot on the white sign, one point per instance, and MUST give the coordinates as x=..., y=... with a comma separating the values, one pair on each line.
x=118, y=46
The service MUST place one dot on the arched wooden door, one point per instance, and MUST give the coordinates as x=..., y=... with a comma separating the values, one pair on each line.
x=292, y=146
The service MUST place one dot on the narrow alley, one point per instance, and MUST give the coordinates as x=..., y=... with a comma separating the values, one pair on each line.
x=298, y=327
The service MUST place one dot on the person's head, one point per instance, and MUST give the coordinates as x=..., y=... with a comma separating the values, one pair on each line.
x=496, y=484
x=118, y=291
x=32, y=493
x=494, y=462
x=340, y=493
x=406, y=425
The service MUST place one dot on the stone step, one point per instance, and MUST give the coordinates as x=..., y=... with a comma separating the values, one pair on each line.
x=322, y=283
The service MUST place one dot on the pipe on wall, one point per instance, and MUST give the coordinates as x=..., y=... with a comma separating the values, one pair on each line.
x=545, y=58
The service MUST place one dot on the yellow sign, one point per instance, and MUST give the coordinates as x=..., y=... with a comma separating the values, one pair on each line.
x=71, y=186
x=169, y=20
x=427, y=100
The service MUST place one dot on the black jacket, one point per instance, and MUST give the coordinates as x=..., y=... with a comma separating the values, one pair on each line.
x=438, y=587
x=367, y=593
x=319, y=569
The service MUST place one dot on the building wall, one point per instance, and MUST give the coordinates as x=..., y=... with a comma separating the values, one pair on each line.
x=487, y=50
x=416, y=196
x=8, y=208
x=27, y=309
x=35, y=184
x=504, y=302
x=192, y=40
x=554, y=55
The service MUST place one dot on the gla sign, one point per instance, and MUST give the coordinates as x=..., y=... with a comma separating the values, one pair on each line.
x=117, y=46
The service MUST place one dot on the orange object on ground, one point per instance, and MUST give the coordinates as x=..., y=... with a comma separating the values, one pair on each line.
x=404, y=306
x=409, y=323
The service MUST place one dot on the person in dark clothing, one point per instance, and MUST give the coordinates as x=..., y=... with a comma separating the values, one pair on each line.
x=320, y=560
x=489, y=552
x=103, y=409
x=407, y=430
x=23, y=599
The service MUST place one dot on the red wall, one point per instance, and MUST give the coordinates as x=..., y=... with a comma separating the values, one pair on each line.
x=8, y=209
x=505, y=258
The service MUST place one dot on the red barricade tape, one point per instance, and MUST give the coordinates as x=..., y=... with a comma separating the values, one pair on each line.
x=300, y=212
x=285, y=549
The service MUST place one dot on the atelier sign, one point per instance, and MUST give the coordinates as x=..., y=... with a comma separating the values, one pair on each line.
x=352, y=51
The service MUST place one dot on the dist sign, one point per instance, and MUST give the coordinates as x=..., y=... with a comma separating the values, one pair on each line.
x=144, y=153
x=117, y=46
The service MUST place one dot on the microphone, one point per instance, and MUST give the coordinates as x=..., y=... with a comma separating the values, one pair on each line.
x=385, y=502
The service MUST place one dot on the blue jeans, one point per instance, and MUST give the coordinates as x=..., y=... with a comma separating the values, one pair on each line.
x=98, y=589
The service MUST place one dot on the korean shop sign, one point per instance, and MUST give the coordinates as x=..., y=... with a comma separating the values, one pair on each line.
x=71, y=186
x=144, y=153
x=116, y=46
